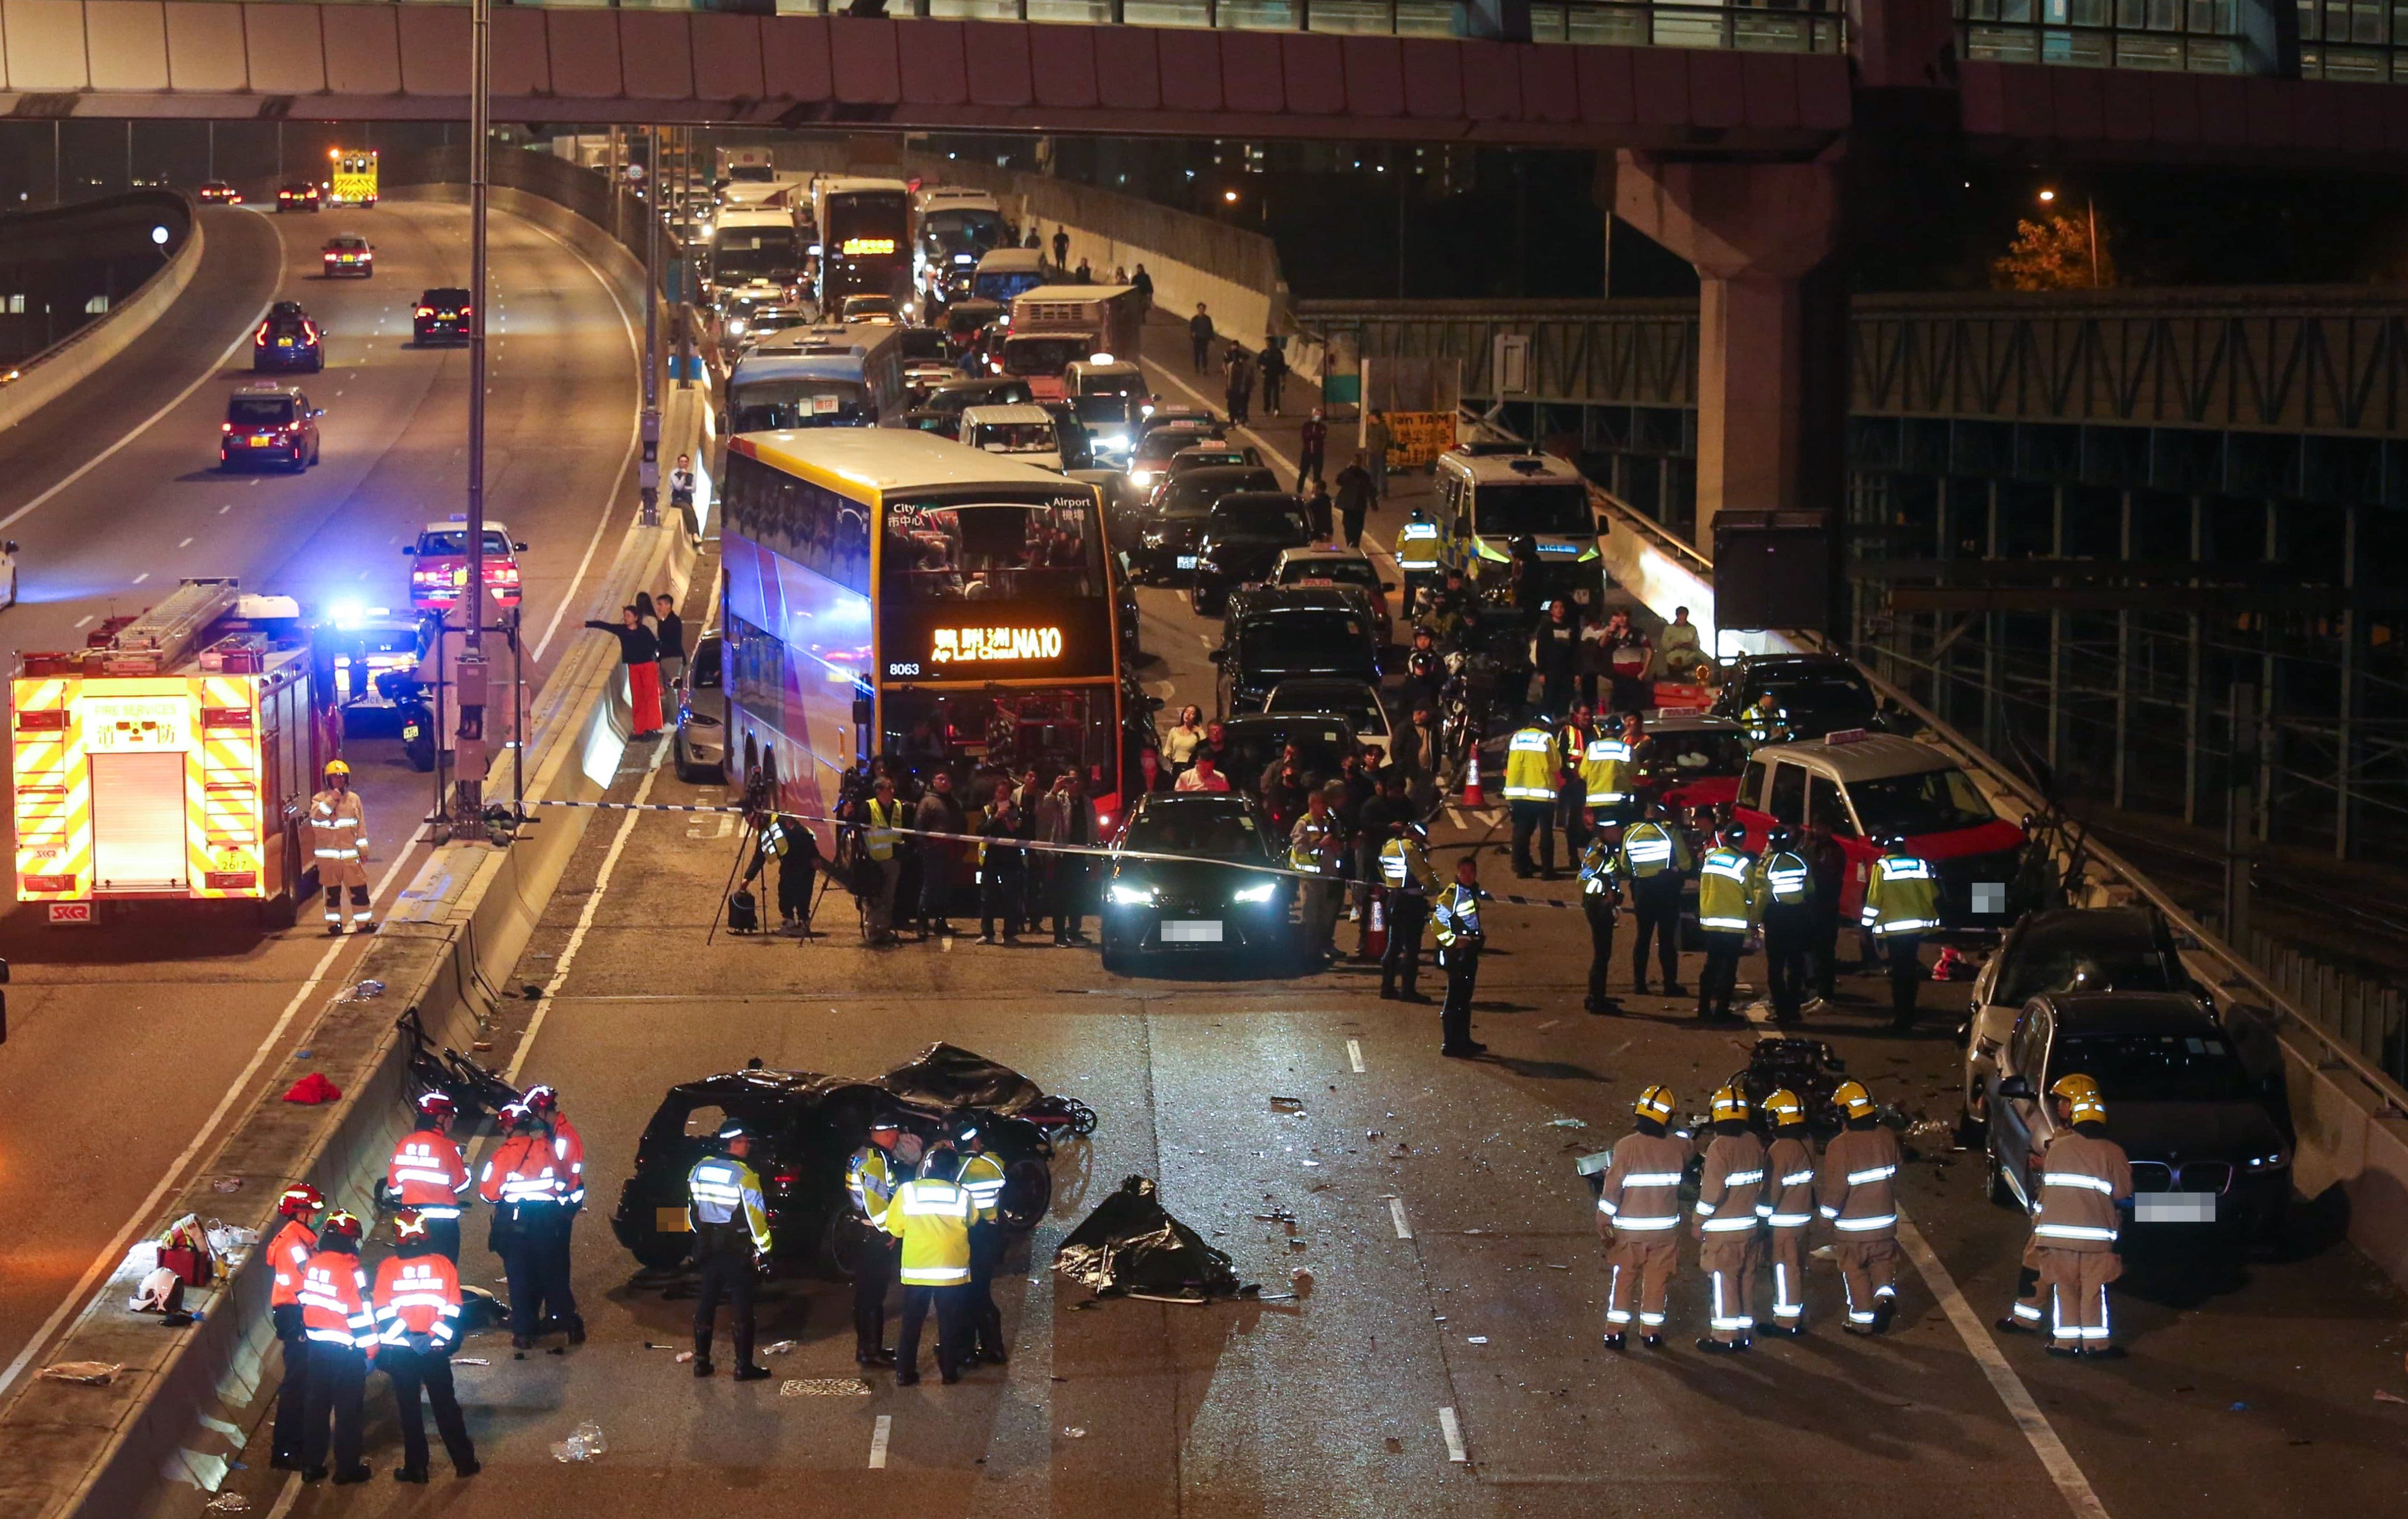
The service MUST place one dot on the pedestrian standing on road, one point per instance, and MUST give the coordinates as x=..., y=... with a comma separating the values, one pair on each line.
x=1554, y=655
x=1144, y=286
x=1179, y=744
x=427, y=1176
x=1638, y=1218
x=1727, y=1225
x=1858, y=1193
x=1457, y=911
x=730, y=1223
x=1312, y=447
x=1003, y=863
x=1411, y=884
x=880, y=818
x=1062, y=246
x=1377, y=441
x=1600, y=876
x=1355, y=487
x=418, y=1326
x=941, y=860
x=1237, y=382
x=288, y=1253
x=338, y=837
x=1902, y=904
x=1064, y=817
x=1319, y=512
x=983, y=1178
x=1199, y=337
x=871, y=1178
x=1273, y=364
x=931, y=1215
x=341, y=1330
x=641, y=652
x=1084, y=276
x=1789, y=1177
x=669, y=632
x=1656, y=860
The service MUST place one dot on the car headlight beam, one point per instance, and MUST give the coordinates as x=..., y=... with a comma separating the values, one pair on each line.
x=1127, y=896
x=1261, y=893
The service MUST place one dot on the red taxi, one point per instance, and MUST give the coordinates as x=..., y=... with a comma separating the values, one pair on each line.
x=1688, y=761
x=349, y=257
x=441, y=572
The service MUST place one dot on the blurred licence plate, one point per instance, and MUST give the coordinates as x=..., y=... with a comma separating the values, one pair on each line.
x=1187, y=561
x=1192, y=931
x=260, y=442
x=2174, y=1207
x=670, y=1220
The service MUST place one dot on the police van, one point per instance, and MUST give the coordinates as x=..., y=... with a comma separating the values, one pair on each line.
x=1486, y=502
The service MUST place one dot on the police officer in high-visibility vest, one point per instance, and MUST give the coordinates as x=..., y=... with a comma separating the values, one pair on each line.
x=983, y=1176
x=1410, y=884
x=1530, y=795
x=881, y=854
x=417, y=1303
x=287, y=1252
x=1420, y=547
x=730, y=1219
x=1858, y=1191
x=1317, y=846
x=1766, y=721
x=931, y=1215
x=1457, y=911
x=1789, y=1194
x=2085, y=1184
x=1572, y=739
x=338, y=837
x=1656, y=860
x=428, y=1175
x=789, y=841
x=1638, y=1218
x=1727, y=895
x=1605, y=774
x=1783, y=904
x=1902, y=904
x=1729, y=1215
x=1600, y=877
x=870, y=1177
x=341, y=1330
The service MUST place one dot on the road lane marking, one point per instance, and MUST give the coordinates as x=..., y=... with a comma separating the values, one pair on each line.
x=878, y=1438
x=1396, y=1214
x=228, y=507
x=186, y=544
x=1454, y=1431
x=1354, y=1056
x=144, y=576
x=2053, y=1457
x=285, y=1500
x=84, y=619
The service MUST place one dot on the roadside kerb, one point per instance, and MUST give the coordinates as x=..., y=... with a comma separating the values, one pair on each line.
x=68, y=363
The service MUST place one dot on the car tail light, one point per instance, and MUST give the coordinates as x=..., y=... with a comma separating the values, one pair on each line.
x=225, y=427
x=310, y=332
x=506, y=574
x=785, y=1180
x=465, y=309
x=426, y=310
x=260, y=337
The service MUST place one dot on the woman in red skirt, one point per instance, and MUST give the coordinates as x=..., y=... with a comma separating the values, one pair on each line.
x=641, y=653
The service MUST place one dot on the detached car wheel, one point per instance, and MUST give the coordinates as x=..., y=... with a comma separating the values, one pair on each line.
x=1027, y=1192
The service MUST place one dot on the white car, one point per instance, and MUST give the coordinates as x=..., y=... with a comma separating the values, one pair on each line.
x=8, y=573
x=1332, y=563
x=1357, y=701
x=1025, y=433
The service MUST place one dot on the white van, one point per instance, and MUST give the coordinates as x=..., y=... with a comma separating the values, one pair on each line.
x=1025, y=433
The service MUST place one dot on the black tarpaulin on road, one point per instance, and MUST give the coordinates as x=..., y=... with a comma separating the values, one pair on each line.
x=952, y=1077
x=1131, y=1244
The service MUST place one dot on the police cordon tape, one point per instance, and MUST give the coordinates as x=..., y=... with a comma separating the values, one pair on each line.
x=1033, y=846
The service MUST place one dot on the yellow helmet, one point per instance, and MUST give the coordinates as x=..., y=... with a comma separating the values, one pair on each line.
x=1784, y=1106
x=336, y=767
x=1655, y=1103
x=1851, y=1098
x=2083, y=1094
x=1730, y=1103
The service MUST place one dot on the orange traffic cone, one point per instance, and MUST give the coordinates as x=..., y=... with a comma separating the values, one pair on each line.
x=1472, y=795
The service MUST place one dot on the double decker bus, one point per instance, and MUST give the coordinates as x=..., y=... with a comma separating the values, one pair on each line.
x=890, y=594
x=864, y=228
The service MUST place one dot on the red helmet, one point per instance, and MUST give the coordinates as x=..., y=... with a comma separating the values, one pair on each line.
x=338, y=1221
x=300, y=1198
x=541, y=1099
x=438, y=1105
x=515, y=1115
x=408, y=1226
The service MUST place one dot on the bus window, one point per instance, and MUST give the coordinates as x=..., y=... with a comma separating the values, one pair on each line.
x=992, y=550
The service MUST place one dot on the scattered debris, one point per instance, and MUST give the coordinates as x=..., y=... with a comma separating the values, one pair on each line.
x=823, y=1387
x=368, y=991
x=2238, y=1408
x=1476, y=1339
x=1131, y=1243
x=91, y=1373
x=1071, y=1431
x=312, y=1090
x=2382, y=1397
x=226, y=1183
x=584, y=1444
x=470, y=1360
x=1396, y=1446
x=1277, y=1215
x=1567, y=1123
x=683, y=1356
x=783, y=1347
x=227, y=1503
x=1287, y=1105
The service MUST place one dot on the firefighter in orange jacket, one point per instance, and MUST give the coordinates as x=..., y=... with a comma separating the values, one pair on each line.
x=529, y=1188
x=341, y=1330
x=568, y=1144
x=427, y=1176
x=288, y=1252
x=417, y=1310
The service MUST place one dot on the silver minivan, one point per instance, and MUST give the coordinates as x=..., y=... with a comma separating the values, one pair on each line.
x=701, y=743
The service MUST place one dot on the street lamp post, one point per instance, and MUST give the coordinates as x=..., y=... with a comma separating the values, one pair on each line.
x=470, y=673
x=2090, y=219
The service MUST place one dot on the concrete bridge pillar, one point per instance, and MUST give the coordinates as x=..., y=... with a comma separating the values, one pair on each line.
x=1771, y=324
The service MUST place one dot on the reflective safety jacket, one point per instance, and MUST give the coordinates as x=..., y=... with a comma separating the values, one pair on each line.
x=1604, y=765
x=1726, y=892
x=1783, y=879
x=1858, y=1187
x=526, y=1177
x=1730, y=1193
x=1405, y=867
x=932, y=1218
x=288, y=1252
x=1530, y=765
x=337, y=827
x=1902, y=896
x=569, y=1148
x=1642, y=1183
x=1456, y=912
x=2081, y=1181
x=1418, y=545
x=724, y=1206
x=1600, y=869
x=1318, y=844
x=418, y=1301
x=334, y=1300
x=1649, y=849
x=869, y=1177
x=886, y=827
x=983, y=1176
x=1789, y=1184
x=427, y=1174
x=1766, y=727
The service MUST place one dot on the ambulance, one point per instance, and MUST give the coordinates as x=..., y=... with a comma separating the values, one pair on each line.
x=354, y=181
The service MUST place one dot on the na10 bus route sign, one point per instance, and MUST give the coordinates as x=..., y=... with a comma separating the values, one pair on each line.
x=993, y=645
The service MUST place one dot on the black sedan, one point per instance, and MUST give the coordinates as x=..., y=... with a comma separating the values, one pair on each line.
x=442, y=315
x=1243, y=535
x=1176, y=887
x=1818, y=693
x=806, y=1125
x=1174, y=519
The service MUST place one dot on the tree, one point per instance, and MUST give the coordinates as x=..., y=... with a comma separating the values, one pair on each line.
x=2053, y=253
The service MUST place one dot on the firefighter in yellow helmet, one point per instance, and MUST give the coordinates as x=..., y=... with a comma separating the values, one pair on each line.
x=2085, y=1183
x=1638, y=1218
x=1789, y=1208
x=1729, y=1212
x=1858, y=1193
x=338, y=836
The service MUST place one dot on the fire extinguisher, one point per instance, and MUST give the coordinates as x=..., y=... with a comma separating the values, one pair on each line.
x=1375, y=926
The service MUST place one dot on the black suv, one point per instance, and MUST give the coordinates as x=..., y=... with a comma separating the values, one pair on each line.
x=1171, y=521
x=288, y=339
x=1819, y=694
x=442, y=316
x=1280, y=633
x=1243, y=535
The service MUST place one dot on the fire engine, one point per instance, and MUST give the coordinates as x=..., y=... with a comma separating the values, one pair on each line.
x=171, y=758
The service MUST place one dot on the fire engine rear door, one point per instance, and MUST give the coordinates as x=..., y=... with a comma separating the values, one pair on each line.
x=138, y=823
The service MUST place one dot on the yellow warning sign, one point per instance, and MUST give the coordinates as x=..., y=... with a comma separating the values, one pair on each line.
x=1418, y=437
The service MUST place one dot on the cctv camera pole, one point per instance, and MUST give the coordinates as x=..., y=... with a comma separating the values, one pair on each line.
x=469, y=799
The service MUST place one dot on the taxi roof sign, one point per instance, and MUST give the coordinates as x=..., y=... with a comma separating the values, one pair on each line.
x=1845, y=735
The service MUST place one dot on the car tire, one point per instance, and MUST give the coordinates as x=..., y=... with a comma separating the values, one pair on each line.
x=1027, y=1193
x=1116, y=960
x=689, y=773
x=660, y=1253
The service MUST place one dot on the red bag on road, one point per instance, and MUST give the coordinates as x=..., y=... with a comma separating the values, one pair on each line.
x=312, y=1088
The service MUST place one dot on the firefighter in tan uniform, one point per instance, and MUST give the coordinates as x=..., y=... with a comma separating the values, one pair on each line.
x=2085, y=1183
x=1729, y=1215
x=1638, y=1218
x=339, y=835
x=1789, y=1194
x=1858, y=1194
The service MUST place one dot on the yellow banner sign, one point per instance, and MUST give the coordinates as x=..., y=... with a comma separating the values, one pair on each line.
x=1418, y=437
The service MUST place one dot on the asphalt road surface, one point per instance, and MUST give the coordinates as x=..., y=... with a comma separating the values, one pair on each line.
x=124, y=1037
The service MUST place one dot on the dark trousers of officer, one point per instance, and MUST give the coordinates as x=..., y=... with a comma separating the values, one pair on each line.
x=338, y=1377
x=725, y=1276
x=1905, y=955
x=873, y=1272
x=795, y=877
x=953, y=1329
x=1718, y=981
x=430, y=1370
x=1400, y=966
x=1600, y=911
x=1657, y=903
x=1823, y=953
x=1789, y=932
x=985, y=1332
x=1001, y=894
x=293, y=1393
x=1534, y=818
x=1572, y=814
x=534, y=1259
x=1462, y=964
